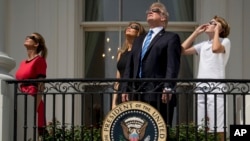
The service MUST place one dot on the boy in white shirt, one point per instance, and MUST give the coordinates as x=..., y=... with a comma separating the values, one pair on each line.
x=214, y=54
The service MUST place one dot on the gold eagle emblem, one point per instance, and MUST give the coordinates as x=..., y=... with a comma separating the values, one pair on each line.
x=134, y=128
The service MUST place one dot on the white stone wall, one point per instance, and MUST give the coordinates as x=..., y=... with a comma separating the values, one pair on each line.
x=58, y=21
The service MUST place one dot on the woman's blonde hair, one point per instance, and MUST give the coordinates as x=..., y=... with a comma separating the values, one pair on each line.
x=140, y=32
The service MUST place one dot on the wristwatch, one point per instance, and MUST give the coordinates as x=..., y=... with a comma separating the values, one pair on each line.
x=168, y=89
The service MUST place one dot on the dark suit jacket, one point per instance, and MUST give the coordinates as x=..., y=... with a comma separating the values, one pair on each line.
x=162, y=60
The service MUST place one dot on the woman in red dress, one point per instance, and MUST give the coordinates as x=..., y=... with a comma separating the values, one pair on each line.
x=34, y=67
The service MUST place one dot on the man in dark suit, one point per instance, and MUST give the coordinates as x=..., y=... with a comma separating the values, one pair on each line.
x=155, y=55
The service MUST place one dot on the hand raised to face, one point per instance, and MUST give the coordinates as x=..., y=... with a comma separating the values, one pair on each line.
x=200, y=29
x=218, y=27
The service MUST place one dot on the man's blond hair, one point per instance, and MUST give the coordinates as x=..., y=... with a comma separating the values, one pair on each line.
x=163, y=10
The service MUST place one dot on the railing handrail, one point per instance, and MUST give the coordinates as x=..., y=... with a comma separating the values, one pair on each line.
x=89, y=96
x=126, y=80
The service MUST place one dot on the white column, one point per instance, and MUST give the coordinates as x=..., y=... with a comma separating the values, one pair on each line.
x=239, y=59
x=6, y=65
x=246, y=50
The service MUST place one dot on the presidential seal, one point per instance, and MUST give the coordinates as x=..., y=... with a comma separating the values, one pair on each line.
x=134, y=121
